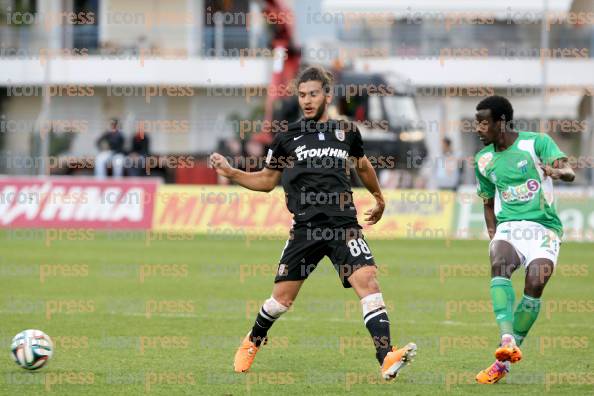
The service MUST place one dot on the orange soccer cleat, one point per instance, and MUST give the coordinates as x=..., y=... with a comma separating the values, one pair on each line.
x=244, y=357
x=492, y=374
x=508, y=351
x=397, y=359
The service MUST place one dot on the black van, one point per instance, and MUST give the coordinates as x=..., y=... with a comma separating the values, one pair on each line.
x=384, y=108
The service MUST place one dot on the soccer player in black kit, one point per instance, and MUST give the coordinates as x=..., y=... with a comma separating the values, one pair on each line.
x=312, y=159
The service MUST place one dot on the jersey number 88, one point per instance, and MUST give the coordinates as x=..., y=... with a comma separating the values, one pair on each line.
x=356, y=246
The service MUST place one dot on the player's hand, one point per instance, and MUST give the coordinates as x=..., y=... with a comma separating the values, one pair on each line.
x=553, y=173
x=221, y=165
x=374, y=215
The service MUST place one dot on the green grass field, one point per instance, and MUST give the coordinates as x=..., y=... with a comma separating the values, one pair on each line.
x=127, y=318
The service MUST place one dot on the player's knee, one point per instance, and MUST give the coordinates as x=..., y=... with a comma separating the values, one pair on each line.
x=538, y=274
x=276, y=308
x=365, y=278
x=371, y=279
x=534, y=287
x=500, y=265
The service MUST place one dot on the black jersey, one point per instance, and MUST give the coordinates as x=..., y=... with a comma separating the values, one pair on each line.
x=315, y=161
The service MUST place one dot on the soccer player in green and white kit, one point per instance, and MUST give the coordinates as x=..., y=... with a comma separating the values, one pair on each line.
x=515, y=173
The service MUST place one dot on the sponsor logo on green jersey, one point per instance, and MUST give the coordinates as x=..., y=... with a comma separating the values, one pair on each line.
x=523, y=192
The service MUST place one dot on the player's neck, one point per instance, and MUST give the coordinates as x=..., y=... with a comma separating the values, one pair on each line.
x=324, y=117
x=505, y=140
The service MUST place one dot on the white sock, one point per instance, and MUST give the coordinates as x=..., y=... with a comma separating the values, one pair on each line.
x=507, y=339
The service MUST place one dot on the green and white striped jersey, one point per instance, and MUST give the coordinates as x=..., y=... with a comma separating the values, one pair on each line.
x=514, y=178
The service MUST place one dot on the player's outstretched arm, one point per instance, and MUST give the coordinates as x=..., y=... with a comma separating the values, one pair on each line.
x=264, y=180
x=369, y=179
x=490, y=219
x=560, y=170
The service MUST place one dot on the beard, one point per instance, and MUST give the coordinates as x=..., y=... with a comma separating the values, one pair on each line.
x=319, y=113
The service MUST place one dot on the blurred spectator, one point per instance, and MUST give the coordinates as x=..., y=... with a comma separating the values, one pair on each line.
x=140, y=148
x=231, y=149
x=396, y=178
x=447, y=168
x=111, y=149
x=254, y=153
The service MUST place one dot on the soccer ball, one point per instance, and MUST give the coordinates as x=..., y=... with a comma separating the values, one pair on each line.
x=31, y=349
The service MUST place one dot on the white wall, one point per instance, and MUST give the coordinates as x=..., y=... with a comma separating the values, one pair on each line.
x=82, y=110
x=493, y=72
x=197, y=72
x=95, y=70
x=20, y=110
x=125, y=22
x=401, y=8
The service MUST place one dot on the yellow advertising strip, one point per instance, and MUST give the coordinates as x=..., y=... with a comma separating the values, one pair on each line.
x=234, y=210
x=221, y=210
x=409, y=214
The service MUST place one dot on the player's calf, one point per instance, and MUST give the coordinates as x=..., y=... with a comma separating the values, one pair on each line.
x=376, y=320
x=246, y=353
x=269, y=313
x=504, y=261
x=538, y=273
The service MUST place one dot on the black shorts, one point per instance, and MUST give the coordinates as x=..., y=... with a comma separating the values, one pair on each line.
x=344, y=246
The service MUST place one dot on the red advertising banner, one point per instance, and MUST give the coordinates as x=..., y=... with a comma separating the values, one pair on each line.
x=56, y=202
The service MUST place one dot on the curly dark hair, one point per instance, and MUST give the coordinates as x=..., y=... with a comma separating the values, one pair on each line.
x=501, y=109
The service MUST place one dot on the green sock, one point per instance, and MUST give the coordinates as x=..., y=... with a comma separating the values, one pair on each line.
x=502, y=295
x=525, y=316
